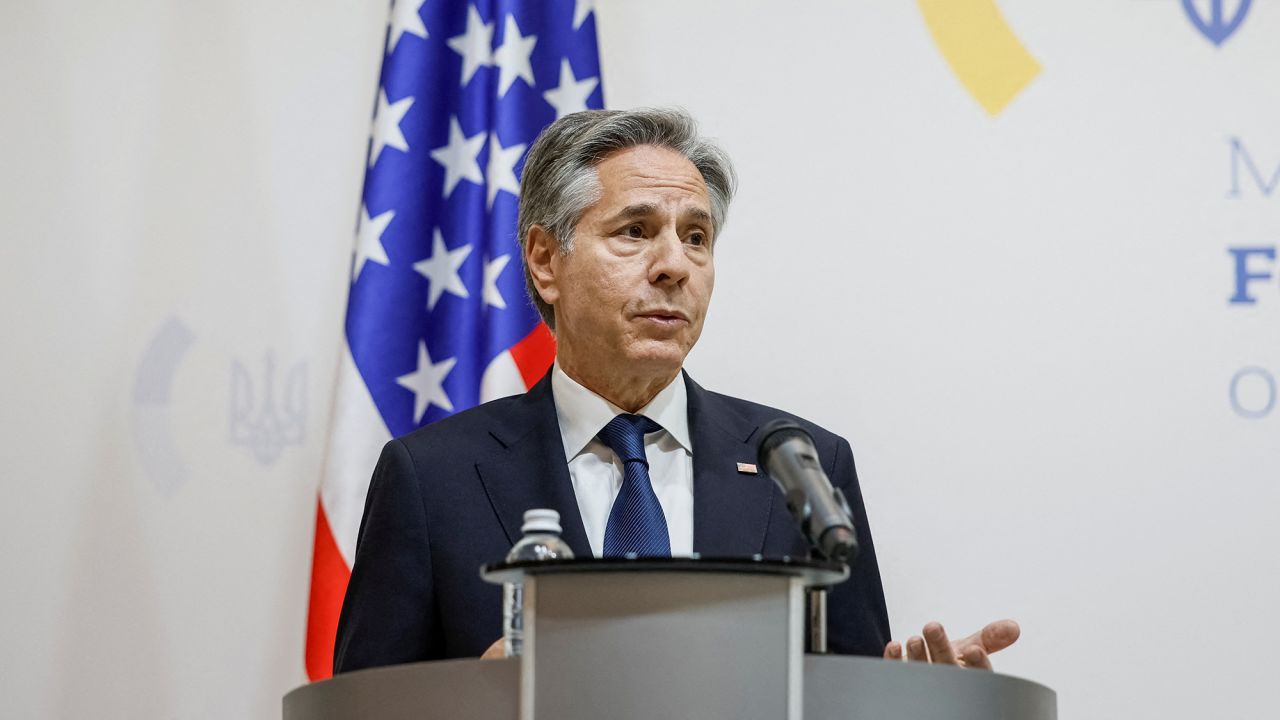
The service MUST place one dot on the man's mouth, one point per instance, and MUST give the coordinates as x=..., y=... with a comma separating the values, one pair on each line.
x=664, y=316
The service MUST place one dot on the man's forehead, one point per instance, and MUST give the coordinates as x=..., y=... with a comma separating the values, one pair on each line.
x=649, y=166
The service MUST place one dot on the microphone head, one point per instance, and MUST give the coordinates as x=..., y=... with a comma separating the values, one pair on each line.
x=839, y=544
x=776, y=432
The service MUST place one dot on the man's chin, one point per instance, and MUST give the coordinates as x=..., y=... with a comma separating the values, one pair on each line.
x=657, y=358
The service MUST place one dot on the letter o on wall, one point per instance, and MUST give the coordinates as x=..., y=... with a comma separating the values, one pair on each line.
x=1253, y=392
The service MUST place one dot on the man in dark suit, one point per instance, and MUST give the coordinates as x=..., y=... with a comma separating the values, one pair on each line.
x=619, y=215
x=449, y=498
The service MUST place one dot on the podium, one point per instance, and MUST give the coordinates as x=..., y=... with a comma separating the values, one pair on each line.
x=696, y=638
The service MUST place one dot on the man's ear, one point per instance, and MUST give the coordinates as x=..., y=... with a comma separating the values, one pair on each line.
x=540, y=252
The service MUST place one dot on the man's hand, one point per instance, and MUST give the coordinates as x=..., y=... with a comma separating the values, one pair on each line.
x=973, y=651
x=495, y=651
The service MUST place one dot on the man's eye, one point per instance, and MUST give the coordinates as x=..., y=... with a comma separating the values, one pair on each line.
x=697, y=238
x=635, y=231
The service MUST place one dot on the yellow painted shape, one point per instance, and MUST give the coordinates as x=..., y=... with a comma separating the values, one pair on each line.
x=983, y=52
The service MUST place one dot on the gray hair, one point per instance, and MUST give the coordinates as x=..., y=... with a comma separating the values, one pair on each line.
x=560, y=181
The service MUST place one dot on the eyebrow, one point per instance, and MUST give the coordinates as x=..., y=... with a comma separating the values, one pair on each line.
x=699, y=215
x=641, y=210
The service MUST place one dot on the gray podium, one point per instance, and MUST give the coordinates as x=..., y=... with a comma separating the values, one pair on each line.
x=669, y=638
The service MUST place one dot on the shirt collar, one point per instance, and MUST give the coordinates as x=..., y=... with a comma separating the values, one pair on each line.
x=581, y=413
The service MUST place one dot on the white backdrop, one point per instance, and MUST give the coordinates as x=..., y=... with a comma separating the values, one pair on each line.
x=1019, y=319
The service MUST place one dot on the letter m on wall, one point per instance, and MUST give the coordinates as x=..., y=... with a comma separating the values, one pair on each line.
x=1242, y=163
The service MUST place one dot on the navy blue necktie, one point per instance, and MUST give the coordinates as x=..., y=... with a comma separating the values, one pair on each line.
x=636, y=522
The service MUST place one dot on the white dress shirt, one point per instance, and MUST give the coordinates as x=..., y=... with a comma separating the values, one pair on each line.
x=596, y=472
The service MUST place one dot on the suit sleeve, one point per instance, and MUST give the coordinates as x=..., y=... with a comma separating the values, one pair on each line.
x=857, y=619
x=388, y=616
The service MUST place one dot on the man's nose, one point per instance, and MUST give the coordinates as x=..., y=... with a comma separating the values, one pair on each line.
x=669, y=264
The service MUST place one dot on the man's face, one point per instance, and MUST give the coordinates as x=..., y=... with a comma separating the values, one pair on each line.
x=631, y=295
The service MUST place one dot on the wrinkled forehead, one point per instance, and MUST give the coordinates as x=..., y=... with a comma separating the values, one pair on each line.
x=651, y=176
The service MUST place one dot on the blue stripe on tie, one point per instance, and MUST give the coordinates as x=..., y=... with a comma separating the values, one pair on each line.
x=636, y=522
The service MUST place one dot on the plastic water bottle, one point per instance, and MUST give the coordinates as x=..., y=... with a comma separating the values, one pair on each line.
x=541, y=541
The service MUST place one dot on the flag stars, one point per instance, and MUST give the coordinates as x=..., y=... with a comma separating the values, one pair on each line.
x=581, y=9
x=475, y=45
x=492, y=271
x=502, y=168
x=501, y=52
x=441, y=270
x=512, y=57
x=386, y=126
x=406, y=17
x=571, y=96
x=427, y=383
x=369, y=245
x=459, y=157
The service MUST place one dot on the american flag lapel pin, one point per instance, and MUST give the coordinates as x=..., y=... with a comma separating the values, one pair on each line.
x=747, y=469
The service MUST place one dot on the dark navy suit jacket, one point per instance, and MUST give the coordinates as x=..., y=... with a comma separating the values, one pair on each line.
x=450, y=497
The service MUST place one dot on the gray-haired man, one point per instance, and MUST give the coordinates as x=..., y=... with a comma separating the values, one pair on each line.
x=619, y=215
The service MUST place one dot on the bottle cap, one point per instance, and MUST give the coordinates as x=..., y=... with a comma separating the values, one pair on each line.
x=541, y=520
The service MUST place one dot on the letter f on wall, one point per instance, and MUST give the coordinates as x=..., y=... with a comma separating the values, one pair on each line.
x=1244, y=276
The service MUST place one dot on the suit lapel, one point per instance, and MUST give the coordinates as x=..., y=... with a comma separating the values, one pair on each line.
x=730, y=509
x=530, y=470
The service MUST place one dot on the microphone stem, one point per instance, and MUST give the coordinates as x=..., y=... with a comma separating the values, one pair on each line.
x=817, y=606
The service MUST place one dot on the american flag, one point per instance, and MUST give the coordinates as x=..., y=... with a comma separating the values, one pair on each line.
x=437, y=319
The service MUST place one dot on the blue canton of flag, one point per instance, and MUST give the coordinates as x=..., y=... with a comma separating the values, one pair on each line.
x=437, y=292
x=437, y=319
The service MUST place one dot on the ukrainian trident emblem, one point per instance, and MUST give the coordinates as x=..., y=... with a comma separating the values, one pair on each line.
x=1217, y=25
x=267, y=417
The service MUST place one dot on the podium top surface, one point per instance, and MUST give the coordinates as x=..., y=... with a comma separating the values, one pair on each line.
x=836, y=687
x=812, y=572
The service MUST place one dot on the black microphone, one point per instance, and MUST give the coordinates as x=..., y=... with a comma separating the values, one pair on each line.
x=787, y=454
